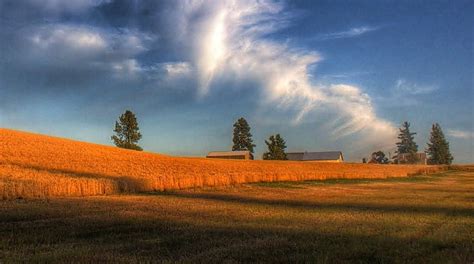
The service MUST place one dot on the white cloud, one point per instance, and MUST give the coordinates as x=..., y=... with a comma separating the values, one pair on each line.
x=230, y=40
x=71, y=37
x=69, y=5
x=405, y=94
x=169, y=70
x=177, y=69
x=126, y=66
x=404, y=87
x=218, y=31
x=354, y=106
x=79, y=48
x=224, y=40
x=353, y=32
x=344, y=75
x=461, y=134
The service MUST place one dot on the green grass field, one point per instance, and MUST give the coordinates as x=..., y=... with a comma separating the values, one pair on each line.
x=422, y=219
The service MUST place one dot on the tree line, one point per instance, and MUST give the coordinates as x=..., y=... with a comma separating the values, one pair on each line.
x=406, y=153
x=127, y=135
x=242, y=139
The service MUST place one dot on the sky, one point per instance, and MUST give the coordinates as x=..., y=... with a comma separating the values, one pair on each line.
x=326, y=75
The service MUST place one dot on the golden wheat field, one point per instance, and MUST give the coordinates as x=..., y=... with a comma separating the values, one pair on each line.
x=35, y=166
x=422, y=219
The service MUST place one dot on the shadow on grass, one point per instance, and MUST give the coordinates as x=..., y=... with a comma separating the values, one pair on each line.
x=301, y=184
x=109, y=236
x=314, y=205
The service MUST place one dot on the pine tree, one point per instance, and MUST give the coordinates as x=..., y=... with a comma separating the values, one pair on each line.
x=407, y=144
x=127, y=132
x=438, y=147
x=276, y=148
x=242, y=137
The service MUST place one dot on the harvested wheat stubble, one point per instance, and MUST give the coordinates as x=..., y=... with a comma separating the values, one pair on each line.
x=38, y=166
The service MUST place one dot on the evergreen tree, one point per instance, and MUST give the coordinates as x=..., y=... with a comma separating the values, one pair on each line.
x=438, y=147
x=127, y=132
x=407, y=144
x=242, y=137
x=276, y=148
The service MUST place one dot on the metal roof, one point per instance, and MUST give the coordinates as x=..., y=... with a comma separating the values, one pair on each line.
x=306, y=156
x=228, y=153
x=295, y=156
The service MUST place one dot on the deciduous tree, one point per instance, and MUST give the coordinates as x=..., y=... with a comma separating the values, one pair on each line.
x=379, y=157
x=276, y=148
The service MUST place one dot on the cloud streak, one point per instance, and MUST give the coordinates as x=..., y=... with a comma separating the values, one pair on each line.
x=405, y=87
x=209, y=45
x=461, y=134
x=234, y=46
x=351, y=33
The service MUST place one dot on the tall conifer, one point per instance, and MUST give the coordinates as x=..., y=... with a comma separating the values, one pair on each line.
x=242, y=138
x=438, y=147
x=406, y=144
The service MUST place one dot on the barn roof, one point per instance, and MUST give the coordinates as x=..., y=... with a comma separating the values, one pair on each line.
x=418, y=154
x=228, y=153
x=306, y=156
x=295, y=156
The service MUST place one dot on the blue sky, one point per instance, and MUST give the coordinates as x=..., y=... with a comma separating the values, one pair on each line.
x=326, y=75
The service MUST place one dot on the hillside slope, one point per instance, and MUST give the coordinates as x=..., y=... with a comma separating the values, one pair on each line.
x=33, y=165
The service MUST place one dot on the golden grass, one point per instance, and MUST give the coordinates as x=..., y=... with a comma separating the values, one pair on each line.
x=33, y=165
x=424, y=219
x=466, y=167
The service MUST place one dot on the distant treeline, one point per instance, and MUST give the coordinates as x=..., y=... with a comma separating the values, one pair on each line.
x=127, y=134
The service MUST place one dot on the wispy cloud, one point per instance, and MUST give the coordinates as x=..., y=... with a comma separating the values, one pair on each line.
x=60, y=5
x=461, y=134
x=77, y=49
x=345, y=75
x=351, y=33
x=233, y=46
x=226, y=42
x=398, y=93
x=403, y=86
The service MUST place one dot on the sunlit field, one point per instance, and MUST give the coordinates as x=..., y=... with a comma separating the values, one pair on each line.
x=422, y=219
x=236, y=131
x=36, y=166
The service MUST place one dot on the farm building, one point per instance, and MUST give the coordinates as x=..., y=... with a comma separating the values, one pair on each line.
x=326, y=156
x=404, y=158
x=244, y=154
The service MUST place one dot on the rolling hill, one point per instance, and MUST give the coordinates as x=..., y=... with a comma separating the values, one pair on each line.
x=38, y=166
